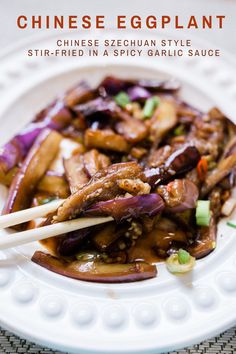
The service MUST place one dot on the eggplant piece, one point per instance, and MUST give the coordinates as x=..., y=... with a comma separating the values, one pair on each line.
x=208, y=135
x=158, y=157
x=102, y=186
x=148, y=224
x=230, y=148
x=71, y=243
x=124, y=208
x=194, y=177
x=163, y=120
x=215, y=113
x=134, y=186
x=179, y=195
x=54, y=184
x=96, y=271
x=216, y=201
x=134, y=130
x=94, y=161
x=75, y=172
x=206, y=240
x=138, y=152
x=224, y=167
x=106, y=140
x=78, y=94
x=154, y=245
x=112, y=85
x=80, y=167
x=229, y=181
x=138, y=93
x=184, y=220
x=32, y=170
x=6, y=179
x=179, y=162
x=186, y=112
x=97, y=106
x=104, y=238
x=183, y=160
x=55, y=117
x=71, y=132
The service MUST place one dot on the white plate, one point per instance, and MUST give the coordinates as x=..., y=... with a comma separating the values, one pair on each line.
x=152, y=316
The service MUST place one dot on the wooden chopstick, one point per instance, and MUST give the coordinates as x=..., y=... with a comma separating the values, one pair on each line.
x=28, y=214
x=20, y=238
x=19, y=217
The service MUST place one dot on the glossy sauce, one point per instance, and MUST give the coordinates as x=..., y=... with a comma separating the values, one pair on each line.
x=144, y=250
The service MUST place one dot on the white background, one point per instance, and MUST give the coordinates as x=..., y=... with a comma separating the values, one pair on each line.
x=225, y=38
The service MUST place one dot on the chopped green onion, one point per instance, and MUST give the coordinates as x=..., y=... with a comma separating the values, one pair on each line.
x=179, y=130
x=203, y=208
x=46, y=200
x=183, y=256
x=231, y=224
x=203, y=221
x=203, y=214
x=150, y=106
x=122, y=99
x=176, y=267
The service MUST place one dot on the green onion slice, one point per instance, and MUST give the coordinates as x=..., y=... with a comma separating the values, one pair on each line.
x=183, y=256
x=203, y=214
x=174, y=265
x=232, y=224
x=150, y=106
x=178, y=131
x=122, y=99
x=203, y=221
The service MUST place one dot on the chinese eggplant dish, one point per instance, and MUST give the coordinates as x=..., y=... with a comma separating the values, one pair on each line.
x=129, y=149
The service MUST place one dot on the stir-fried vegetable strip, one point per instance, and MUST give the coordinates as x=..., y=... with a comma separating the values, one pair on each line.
x=135, y=151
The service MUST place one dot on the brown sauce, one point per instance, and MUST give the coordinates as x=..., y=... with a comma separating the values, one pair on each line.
x=146, y=248
x=147, y=245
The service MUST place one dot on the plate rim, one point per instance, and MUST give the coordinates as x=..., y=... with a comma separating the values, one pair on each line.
x=39, y=339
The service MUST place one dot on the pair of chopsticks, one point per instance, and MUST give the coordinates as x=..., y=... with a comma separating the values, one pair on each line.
x=41, y=233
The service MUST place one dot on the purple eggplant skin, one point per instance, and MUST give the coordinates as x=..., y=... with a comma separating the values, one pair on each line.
x=112, y=85
x=181, y=161
x=223, y=169
x=230, y=180
x=71, y=243
x=206, y=240
x=102, y=110
x=137, y=93
x=80, y=93
x=96, y=272
x=124, y=208
x=13, y=152
x=179, y=195
x=33, y=168
x=98, y=105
